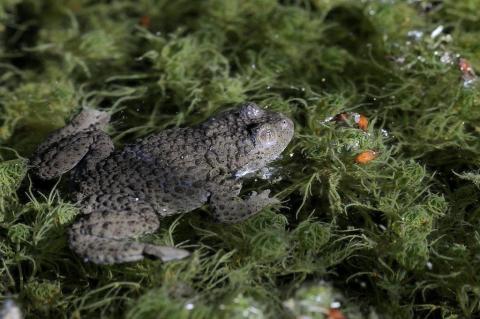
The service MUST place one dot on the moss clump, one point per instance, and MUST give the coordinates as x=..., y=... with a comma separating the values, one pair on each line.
x=396, y=236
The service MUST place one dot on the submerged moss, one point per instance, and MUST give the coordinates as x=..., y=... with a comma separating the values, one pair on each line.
x=396, y=237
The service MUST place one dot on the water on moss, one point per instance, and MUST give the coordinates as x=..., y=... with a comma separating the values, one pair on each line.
x=396, y=237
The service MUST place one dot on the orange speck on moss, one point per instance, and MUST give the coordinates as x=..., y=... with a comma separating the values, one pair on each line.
x=365, y=157
x=334, y=313
x=362, y=122
x=145, y=21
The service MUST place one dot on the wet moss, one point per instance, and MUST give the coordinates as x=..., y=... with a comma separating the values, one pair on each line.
x=396, y=236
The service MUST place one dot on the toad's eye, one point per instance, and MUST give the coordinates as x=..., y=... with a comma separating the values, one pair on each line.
x=284, y=124
x=265, y=135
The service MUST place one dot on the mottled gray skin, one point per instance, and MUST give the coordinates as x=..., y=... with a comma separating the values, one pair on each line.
x=123, y=194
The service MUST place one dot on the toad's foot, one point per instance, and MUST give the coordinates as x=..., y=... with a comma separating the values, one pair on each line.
x=102, y=236
x=233, y=209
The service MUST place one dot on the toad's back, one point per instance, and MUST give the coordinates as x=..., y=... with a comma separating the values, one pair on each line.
x=169, y=169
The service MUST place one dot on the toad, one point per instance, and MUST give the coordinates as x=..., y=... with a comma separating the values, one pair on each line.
x=123, y=194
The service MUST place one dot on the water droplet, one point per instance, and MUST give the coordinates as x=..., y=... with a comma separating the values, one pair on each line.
x=435, y=33
x=335, y=304
x=415, y=34
x=446, y=58
x=328, y=119
x=468, y=82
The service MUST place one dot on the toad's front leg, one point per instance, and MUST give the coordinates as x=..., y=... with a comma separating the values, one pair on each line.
x=230, y=208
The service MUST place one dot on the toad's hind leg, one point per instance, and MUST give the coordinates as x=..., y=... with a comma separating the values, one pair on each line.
x=103, y=236
x=85, y=148
x=80, y=141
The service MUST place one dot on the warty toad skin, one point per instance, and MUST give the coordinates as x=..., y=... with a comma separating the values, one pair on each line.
x=123, y=194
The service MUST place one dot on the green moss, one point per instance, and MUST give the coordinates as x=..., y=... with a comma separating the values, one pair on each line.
x=11, y=175
x=396, y=237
